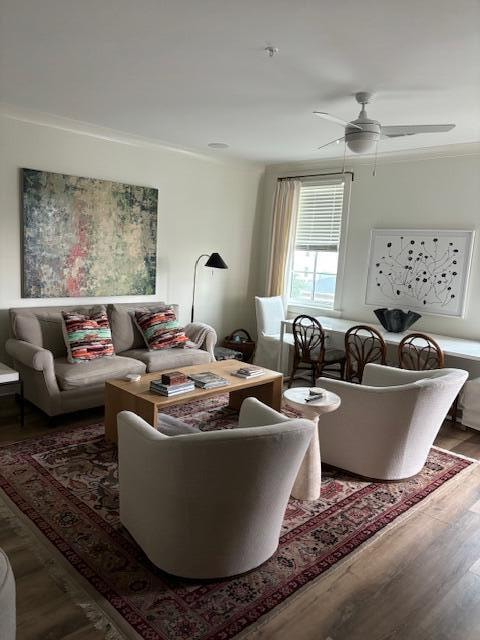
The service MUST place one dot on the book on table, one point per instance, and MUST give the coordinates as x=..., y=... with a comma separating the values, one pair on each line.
x=248, y=372
x=171, y=389
x=174, y=377
x=208, y=380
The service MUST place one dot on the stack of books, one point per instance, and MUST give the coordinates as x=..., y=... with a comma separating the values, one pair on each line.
x=248, y=372
x=208, y=380
x=172, y=384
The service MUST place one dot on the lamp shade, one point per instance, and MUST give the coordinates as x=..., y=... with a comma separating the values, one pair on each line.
x=216, y=262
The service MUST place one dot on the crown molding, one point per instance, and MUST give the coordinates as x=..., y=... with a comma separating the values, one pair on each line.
x=79, y=127
x=387, y=157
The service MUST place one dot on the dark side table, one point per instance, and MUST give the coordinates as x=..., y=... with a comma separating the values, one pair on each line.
x=222, y=353
x=11, y=384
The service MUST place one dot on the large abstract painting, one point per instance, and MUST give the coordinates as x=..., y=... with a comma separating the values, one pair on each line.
x=420, y=269
x=87, y=237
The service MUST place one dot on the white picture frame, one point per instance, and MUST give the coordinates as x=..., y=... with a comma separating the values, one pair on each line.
x=423, y=270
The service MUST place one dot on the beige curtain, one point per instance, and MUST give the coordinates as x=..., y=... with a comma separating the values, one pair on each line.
x=284, y=218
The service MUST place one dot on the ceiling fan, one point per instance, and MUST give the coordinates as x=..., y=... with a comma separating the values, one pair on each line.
x=362, y=134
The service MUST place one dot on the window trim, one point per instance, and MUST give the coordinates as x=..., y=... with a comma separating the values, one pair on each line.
x=294, y=305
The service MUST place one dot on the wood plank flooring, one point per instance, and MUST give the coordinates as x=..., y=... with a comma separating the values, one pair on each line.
x=419, y=581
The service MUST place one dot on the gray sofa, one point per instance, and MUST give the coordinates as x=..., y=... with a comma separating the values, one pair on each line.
x=56, y=386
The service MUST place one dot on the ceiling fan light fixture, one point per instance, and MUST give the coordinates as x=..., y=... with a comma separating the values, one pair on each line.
x=363, y=134
x=362, y=141
x=365, y=140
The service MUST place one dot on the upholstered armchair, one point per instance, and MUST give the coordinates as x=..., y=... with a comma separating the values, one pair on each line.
x=385, y=426
x=7, y=599
x=209, y=504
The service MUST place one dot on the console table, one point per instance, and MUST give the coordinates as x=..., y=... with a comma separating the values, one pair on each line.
x=10, y=384
x=459, y=347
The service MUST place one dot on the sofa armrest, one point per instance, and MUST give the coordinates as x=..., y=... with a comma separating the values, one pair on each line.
x=30, y=355
x=203, y=336
x=38, y=359
x=133, y=430
x=254, y=413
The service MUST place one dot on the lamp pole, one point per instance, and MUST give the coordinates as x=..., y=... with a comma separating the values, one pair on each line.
x=204, y=255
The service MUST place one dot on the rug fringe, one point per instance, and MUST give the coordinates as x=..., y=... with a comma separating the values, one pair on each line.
x=93, y=611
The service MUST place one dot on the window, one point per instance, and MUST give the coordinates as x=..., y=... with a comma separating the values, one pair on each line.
x=317, y=246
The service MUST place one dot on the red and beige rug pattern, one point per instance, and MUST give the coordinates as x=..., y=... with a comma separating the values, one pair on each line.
x=66, y=485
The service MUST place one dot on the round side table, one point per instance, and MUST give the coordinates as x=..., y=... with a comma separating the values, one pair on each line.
x=309, y=479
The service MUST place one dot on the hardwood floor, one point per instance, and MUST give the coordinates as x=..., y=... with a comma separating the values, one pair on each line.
x=419, y=581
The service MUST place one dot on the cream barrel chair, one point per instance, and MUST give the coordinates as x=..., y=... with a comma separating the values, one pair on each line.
x=7, y=599
x=385, y=426
x=270, y=313
x=209, y=504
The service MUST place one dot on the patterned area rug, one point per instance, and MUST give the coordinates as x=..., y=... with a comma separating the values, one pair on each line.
x=66, y=484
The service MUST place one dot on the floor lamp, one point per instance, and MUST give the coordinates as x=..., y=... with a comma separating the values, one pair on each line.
x=215, y=261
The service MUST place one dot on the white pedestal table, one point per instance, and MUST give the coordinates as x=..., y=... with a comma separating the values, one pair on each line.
x=309, y=479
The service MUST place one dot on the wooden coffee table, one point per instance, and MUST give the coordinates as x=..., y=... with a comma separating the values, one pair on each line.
x=121, y=395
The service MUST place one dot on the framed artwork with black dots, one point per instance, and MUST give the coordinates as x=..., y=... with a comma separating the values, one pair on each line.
x=420, y=269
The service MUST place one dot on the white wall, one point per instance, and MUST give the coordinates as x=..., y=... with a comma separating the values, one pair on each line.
x=440, y=191
x=204, y=205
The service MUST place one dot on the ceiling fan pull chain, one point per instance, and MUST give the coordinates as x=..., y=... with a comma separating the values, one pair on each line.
x=344, y=154
x=375, y=162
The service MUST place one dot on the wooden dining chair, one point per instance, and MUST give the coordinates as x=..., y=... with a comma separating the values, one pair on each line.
x=309, y=349
x=363, y=344
x=419, y=352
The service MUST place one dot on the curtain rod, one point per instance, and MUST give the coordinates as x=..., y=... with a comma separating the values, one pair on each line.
x=319, y=175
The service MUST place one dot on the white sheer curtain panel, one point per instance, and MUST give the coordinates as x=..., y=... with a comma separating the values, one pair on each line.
x=284, y=219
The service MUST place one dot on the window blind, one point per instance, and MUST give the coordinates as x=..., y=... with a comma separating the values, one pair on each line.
x=319, y=218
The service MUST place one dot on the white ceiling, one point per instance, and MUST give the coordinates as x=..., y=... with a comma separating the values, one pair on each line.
x=190, y=72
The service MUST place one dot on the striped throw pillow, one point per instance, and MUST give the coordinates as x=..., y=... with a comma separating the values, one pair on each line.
x=87, y=336
x=160, y=329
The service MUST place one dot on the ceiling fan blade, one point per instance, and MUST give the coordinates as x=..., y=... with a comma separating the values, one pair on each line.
x=338, y=140
x=343, y=123
x=411, y=130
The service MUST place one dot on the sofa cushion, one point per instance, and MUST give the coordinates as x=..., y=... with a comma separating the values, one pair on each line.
x=160, y=329
x=87, y=335
x=125, y=333
x=170, y=426
x=43, y=329
x=73, y=376
x=168, y=358
x=43, y=326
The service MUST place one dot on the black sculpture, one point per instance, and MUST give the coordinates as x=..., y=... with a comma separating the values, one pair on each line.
x=396, y=320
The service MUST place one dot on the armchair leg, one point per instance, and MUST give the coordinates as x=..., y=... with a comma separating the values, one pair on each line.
x=454, y=411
